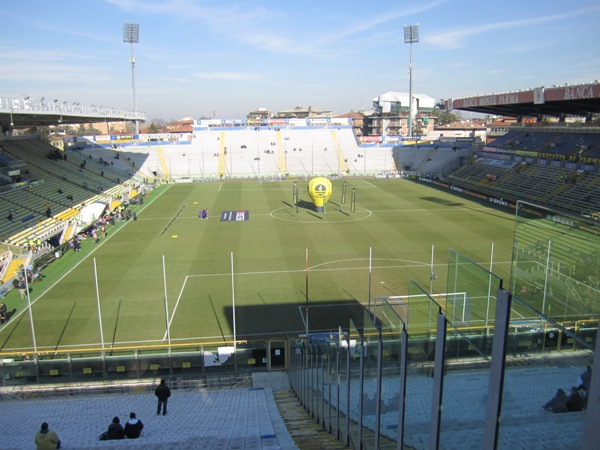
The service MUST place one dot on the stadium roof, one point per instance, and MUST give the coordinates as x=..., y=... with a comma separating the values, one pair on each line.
x=425, y=101
x=577, y=100
x=25, y=113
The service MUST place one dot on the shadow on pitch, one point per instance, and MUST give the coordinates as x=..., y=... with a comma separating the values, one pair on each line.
x=212, y=305
x=8, y=316
x=271, y=316
x=62, y=333
x=116, y=324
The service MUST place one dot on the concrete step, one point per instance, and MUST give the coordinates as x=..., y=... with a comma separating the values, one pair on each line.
x=306, y=433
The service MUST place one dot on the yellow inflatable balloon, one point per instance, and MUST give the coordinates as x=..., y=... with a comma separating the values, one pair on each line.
x=320, y=190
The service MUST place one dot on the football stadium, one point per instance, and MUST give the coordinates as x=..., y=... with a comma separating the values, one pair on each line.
x=208, y=260
x=404, y=291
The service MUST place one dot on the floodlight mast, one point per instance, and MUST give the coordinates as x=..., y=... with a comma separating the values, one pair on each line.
x=131, y=34
x=411, y=36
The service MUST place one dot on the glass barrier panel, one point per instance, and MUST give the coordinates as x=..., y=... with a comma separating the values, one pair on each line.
x=553, y=324
x=251, y=355
x=304, y=372
x=121, y=367
x=243, y=360
x=469, y=307
x=151, y=365
x=220, y=358
x=346, y=351
x=326, y=378
x=421, y=324
x=466, y=381
x=469, y=300
x=291, y=350
x=391, y=336
x=19, y=372
x=330, y=352
x=324, y=384
x=310, y=378
x=355, y=384
x=186, y=363
x=587, y=332
x=296, y=374
x=318, y=382
x=556, y=264
x=532, y=380
x=87, y=369
x=54, y=370
x=371, y=380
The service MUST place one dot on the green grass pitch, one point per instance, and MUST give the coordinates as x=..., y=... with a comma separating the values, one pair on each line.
x=400, y=220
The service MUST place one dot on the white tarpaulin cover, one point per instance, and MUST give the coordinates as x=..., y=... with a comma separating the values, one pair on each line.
x=91, y=212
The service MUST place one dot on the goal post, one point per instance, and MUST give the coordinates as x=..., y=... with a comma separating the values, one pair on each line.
x=418, y=311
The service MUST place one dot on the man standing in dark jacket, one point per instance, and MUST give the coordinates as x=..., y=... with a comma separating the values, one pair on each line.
x=163, y=393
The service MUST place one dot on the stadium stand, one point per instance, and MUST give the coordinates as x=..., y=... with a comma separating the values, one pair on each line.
x=43, y=194
x=249, y=417
x=250, y=153
x=551, y=169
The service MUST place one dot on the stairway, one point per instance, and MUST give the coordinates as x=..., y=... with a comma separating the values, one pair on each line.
x=306, y=433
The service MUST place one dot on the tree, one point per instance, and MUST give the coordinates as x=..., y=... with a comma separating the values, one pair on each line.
x=91, y=131
x=153, y=128
x=418, y=129
x=44, y=133
x=443, y=116
x=157, y=126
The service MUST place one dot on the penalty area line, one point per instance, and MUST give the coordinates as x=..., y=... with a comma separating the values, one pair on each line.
x=175, y=308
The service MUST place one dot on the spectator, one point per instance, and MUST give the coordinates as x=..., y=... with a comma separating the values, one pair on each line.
x=20, y=285
x=575, y=402
x=3, y=317
x=583, y=384
x=133, y=427
x=163, y=393
x=584, y=380
x=46, y=439
x=115, y=430
x=558, y=404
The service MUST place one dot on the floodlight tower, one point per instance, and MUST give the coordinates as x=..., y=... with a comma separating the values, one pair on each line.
x=411, y=36
x=131, y=34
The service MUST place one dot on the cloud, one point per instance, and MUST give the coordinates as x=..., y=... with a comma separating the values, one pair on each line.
x=375, y=22
x=366, y=31
x=276, y=29
x=451, y=40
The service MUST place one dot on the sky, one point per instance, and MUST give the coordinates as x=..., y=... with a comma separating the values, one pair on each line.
x=223, y=59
